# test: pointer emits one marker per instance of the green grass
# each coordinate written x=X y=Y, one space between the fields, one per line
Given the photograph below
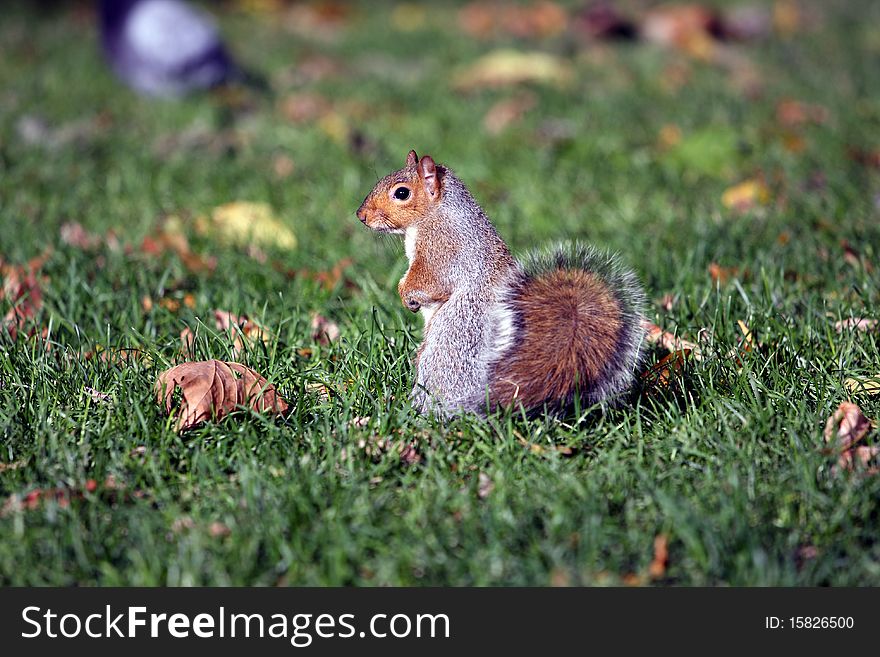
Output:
x=728 y=463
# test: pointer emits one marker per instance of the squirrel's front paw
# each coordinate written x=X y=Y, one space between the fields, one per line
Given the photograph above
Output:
x=415 y=299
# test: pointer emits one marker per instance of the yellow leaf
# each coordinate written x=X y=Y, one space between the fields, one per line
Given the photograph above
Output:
x=244 y=223
x=869 y=386
x=409 y=17
x=508 y=67
x=745 y=195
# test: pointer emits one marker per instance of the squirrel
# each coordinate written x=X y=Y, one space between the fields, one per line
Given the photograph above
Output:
x=562 y=326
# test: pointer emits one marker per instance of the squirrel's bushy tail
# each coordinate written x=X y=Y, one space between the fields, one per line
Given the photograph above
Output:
x=579 y=311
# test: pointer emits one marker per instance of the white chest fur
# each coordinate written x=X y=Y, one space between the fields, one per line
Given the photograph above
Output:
x=409 y=243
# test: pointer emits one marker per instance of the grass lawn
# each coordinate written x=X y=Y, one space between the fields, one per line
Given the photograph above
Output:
x=633 y=149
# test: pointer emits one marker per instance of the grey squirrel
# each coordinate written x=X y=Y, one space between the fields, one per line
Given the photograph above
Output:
x=562 y=325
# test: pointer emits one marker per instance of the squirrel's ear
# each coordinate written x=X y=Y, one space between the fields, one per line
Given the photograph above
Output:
x=412 y=159
x=428 y=176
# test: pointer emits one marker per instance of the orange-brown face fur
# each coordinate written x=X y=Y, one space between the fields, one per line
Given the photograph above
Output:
x=385 y=212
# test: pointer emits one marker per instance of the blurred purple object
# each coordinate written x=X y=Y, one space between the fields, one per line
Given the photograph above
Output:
x=163 y=47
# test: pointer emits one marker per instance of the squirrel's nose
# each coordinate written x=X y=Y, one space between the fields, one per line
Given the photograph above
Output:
x=362 y=214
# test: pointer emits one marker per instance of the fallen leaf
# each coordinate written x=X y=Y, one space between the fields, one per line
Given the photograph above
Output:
x=748 y=341
x=867 y=158
x=118 y=356
x=409 y=17
x=856 y=324
x=218 y=530
x=508 y=111
x=510 y=67
x=870 y=386
x=746 y=195
x=559 y=578
x=212 y=389
x=858 y=458
x=657 y=568
x=721 y=274
x=324 y=20
x=852 y=257
x=846 y=426
x=409 y=454
x=22 y=288
x=188 y=342
x=283 y=166
x=324 y=331
x=304 y=107
x=244 y=331
x=170 y=237
x=486 y=19
x=667 y=302
x=668 y=136
x=690 y=28
x=795 y=114
x=181 y=524
x=73 y=234
x=601 y=20
x=787 y=18
x=328 y=279
x=110 y=490
x=660 y=375
x=669 y=341
x=242 y=223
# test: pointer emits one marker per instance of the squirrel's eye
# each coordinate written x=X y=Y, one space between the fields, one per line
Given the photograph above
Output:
x=401 y=193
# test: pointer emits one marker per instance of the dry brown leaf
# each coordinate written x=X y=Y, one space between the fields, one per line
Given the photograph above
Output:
x=510 y=67
x=484 y=19
x=660 y=375
x=170 y=238
x=859 y=458
x=117 y=356
x=602 y=20
x=669 y=341
x=219 y=530
x=856 y=324
x=212 y=389
x=73 y=234
x=795 y=114
x=283 y=166
x=667 y=302
x=244 y=330
x=304 y=107
x=657 y=568
x=787 y=18
x=669 y=136
x=22 y=287
x=846 y=426
x=508 y=111
x=324 y=331
x=409 y=17
x=409 y=454
x=721 y=275
x=687 y=27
